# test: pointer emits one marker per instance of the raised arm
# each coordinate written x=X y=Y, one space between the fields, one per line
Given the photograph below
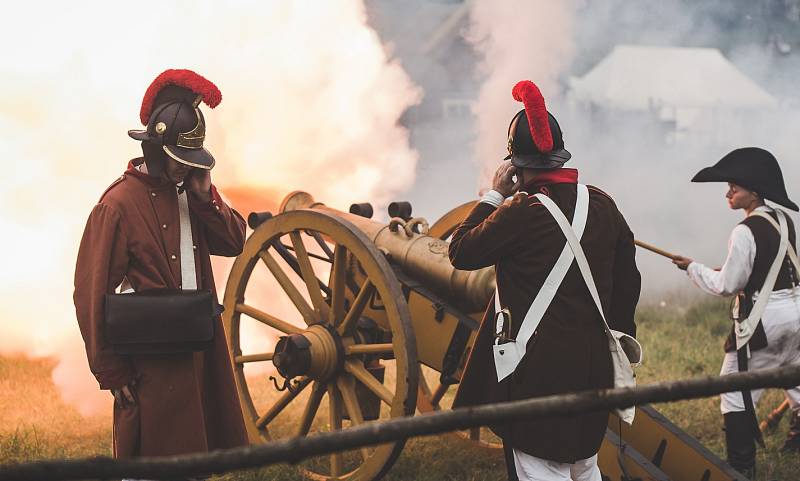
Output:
x=733 y=275
x=101 y=266
x=225 y=228
x=486 y=233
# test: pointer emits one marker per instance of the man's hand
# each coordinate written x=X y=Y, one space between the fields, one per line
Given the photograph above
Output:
x=125 y=396
x=503 y=181
x=199 y=182
x=682 y=262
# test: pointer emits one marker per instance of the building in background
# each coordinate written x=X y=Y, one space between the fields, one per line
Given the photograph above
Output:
x=687 y=91
x=428 y=38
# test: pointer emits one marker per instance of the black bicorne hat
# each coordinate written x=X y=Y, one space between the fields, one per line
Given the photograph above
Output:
x=752 y=168
x=535 y=140
x=174 y=121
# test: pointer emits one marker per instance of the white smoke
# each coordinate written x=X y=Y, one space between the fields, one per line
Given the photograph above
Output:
x=310 y=101
x=628 y=156
x=517 y=40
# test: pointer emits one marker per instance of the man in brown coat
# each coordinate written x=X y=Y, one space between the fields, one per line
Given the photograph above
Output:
x=145 y=233
x=568 y=351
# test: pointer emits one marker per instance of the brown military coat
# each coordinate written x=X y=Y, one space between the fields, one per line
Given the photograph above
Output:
x=186 y=402
x=569 y=351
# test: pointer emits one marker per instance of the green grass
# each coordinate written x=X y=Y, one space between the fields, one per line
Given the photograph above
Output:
x=682 y=339
x=423 y=459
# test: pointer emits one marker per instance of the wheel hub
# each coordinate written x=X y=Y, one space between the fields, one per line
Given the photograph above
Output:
x=316 y=352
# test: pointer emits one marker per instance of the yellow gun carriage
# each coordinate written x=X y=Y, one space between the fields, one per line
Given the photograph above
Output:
x=370 y=321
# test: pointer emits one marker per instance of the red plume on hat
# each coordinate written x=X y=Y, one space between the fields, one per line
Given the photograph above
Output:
x=529 y=94
x=184 y=78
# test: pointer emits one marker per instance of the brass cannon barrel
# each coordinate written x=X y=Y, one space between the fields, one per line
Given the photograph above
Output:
x=421 y=256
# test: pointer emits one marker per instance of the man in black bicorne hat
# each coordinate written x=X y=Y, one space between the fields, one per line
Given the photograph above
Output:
x=154 y=229
x=761 y=270
x=568 y=350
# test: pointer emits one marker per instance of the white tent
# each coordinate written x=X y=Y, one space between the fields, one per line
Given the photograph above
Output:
x=666 y=79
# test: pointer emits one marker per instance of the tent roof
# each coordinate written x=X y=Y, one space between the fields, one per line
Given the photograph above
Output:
x=639 y=77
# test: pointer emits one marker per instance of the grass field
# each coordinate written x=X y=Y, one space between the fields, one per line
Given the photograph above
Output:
x=682 y=339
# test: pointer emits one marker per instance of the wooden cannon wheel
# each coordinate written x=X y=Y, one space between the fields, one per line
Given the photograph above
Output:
x=311 y=257
x=430 y=399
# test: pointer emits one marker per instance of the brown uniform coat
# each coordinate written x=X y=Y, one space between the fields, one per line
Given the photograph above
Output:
x=186 y=402
x=569 y=351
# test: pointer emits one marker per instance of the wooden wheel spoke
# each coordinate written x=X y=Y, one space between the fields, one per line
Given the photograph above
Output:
x=424 y=395
x=337 y=283
x=317 y=392
x=355 y=349
x=264 y=356
x=322 y=245
x=312 y=283
x=335 y=413
x=288 y=287
x=357 y=308
x=347 y=387
x=267 y=319
x=281 y=403
x=310 y=254
x=326 y=271
x=358 y=370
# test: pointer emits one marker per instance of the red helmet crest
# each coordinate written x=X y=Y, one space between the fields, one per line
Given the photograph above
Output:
x=529 y=94
x=187 y=79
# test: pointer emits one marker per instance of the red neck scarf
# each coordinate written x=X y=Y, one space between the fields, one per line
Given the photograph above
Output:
x=552 y=176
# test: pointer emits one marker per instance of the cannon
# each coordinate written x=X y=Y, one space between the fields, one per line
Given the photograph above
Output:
x=367 y=321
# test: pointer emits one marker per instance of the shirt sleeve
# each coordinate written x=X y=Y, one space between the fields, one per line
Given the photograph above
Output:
x=225 y=228
x=100 y=268
x=493 y=198
x=734 y=274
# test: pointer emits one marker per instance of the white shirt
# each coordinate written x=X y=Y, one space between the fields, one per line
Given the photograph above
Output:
x=493 y=198
x=738 y=266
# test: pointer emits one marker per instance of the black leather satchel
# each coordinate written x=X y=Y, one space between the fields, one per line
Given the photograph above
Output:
x=160 y=321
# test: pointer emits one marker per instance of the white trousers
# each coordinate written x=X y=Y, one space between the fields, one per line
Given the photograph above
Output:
x=531 y=468
x=781 y=321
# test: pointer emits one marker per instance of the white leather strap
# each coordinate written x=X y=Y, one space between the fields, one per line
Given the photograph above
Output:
x=580 y=257
x=556 y=276
x=188 y=268
x=625 y=350
x=548 y=291
x=791 y=251
x=510 y=356
x=745 y=329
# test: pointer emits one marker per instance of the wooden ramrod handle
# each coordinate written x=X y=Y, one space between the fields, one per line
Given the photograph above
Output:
x=652 y=248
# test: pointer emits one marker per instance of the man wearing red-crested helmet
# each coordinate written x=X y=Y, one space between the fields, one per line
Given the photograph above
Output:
x=548 y=329
x=152 y=234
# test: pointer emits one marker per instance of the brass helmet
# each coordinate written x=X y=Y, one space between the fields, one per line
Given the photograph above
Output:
x=535 y=140
x=172 y=117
